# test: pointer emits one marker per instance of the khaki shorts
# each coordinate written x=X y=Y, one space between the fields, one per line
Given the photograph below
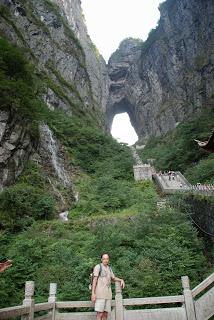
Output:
x=102 y=305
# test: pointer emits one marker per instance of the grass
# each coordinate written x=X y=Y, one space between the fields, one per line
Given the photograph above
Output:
x=65 y=83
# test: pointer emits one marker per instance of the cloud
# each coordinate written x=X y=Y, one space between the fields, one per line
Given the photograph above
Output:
x=110 y=21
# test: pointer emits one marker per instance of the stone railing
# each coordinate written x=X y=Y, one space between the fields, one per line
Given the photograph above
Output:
x=195 y=304
x=197 y=190
x=178 y=184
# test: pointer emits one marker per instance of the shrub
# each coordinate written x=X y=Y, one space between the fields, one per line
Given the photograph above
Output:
x=202 y=172
x=21 y=204
x=90 y=148
x=200 y=209
x=19 y=87
x=177 y=150
x=150 y=251
x=33 y=176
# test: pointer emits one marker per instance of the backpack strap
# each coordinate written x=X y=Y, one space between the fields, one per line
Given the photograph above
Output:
x=100 y=269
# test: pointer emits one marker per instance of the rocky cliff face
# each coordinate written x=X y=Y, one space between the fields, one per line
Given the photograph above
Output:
x=95 y=63
x=159 y=82
x=54 y=37
x=170 y=76
x=15 y=148
x=57 y=38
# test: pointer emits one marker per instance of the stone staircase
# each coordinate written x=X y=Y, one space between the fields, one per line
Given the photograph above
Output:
x=167 y=183
x=136 y=157
x=142 y=171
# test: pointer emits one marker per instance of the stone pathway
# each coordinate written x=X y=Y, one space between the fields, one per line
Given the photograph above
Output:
x=176 y=183
x=136 y=157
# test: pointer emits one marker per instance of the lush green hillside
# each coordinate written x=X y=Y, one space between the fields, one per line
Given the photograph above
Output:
x=177 y=150
x=150 y=248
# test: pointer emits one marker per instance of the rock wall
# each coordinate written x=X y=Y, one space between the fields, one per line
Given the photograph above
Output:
x=96 y=66
x=159 y=82
x=15 y=147
x=170 y=76
x=54 y=37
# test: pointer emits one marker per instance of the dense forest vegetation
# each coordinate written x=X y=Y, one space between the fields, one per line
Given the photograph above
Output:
x=150 y=247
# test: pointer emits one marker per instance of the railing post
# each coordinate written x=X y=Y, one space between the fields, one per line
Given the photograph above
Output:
x=189 y=302
x=52 y=298
x=118 y=301
x=29 y=300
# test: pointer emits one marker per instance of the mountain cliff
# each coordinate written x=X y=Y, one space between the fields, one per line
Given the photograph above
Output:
x=170 y=76
x=96 y=66
x=53 y=38
x=159 y=82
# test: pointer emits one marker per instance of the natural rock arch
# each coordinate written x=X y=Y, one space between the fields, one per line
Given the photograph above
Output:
x=124 y=88
x=121 y=107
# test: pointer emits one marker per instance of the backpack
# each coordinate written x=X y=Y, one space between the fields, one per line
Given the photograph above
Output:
x=91 y=277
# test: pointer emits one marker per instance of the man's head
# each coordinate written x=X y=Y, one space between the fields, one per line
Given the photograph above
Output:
x=105 y=258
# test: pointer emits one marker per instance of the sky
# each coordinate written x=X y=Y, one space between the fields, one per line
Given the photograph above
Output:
x=122 y=129
x=108 y=23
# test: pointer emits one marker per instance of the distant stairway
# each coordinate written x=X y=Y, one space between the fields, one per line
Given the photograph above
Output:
x=136 y=157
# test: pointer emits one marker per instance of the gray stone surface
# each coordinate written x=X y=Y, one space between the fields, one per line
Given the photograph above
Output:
x=190 y=307
x=143 y=172
x=135 y=155
x=172 y=76
x=54 y=46
x=56 y=39
x=15 y=147
x=170 y=183
x=63 y=216
x=159 y=84
x=96 y=66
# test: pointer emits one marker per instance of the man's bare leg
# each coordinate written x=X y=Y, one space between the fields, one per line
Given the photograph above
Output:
x=99 y=315
x=105 y=315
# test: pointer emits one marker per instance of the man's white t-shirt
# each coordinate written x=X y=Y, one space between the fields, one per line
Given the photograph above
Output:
x=103 y=287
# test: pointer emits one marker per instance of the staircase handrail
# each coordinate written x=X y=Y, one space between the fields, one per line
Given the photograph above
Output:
x=203 y=285
x=153 y=300
x=12 y=312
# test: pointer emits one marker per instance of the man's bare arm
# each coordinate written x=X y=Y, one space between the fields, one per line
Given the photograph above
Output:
x=5 y=265
x=122 y=283
x=94 y=284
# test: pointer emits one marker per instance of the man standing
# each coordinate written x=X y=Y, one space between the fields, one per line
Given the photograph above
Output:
x=101 y=287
